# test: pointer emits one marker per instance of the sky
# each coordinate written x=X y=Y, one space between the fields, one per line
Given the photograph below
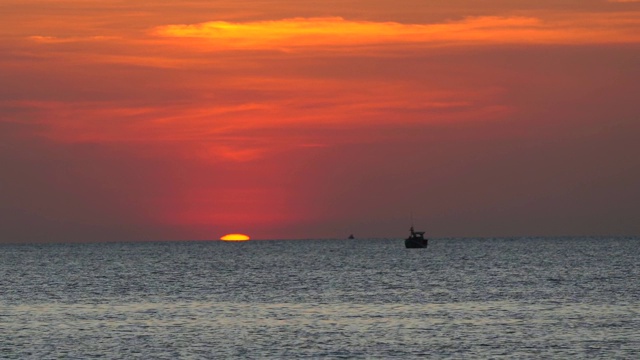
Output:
x=187 y=120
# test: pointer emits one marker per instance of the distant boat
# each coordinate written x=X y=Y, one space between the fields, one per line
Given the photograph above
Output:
x=351 y=237
x=416 y=240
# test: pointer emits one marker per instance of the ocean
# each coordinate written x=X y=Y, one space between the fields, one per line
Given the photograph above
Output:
x=457 y=299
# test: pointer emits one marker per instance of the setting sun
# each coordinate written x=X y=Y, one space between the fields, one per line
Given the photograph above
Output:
x=235 y=237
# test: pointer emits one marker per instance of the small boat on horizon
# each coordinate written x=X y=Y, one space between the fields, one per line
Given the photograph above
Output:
x=351 y=237
x=416 y=240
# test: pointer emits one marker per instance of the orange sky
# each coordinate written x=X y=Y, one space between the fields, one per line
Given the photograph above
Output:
x=147 y=120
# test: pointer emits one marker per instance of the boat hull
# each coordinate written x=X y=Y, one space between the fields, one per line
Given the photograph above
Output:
x=411 y=243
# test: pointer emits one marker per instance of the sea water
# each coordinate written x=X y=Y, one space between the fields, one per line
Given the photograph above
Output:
x=459 y=298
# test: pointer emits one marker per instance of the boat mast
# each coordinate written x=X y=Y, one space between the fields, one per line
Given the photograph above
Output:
x=411 y=215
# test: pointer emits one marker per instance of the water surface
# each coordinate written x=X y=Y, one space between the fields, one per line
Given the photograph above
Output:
x=460 y=298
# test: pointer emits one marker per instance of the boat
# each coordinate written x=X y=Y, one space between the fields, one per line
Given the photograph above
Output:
x=351 y=237
x=416 y=240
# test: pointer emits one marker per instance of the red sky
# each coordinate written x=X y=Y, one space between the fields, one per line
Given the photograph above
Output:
x=171 y=120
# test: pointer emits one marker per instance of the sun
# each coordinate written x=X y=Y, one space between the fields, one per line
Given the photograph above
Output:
x=235 y=237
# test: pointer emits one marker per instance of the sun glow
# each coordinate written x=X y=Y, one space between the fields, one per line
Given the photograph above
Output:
x=235 y=237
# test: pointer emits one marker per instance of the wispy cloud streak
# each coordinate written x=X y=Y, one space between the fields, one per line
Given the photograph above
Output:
x=337 y=32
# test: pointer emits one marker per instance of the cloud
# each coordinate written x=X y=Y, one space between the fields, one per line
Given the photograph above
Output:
x=69 y=39
x=337 y=32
